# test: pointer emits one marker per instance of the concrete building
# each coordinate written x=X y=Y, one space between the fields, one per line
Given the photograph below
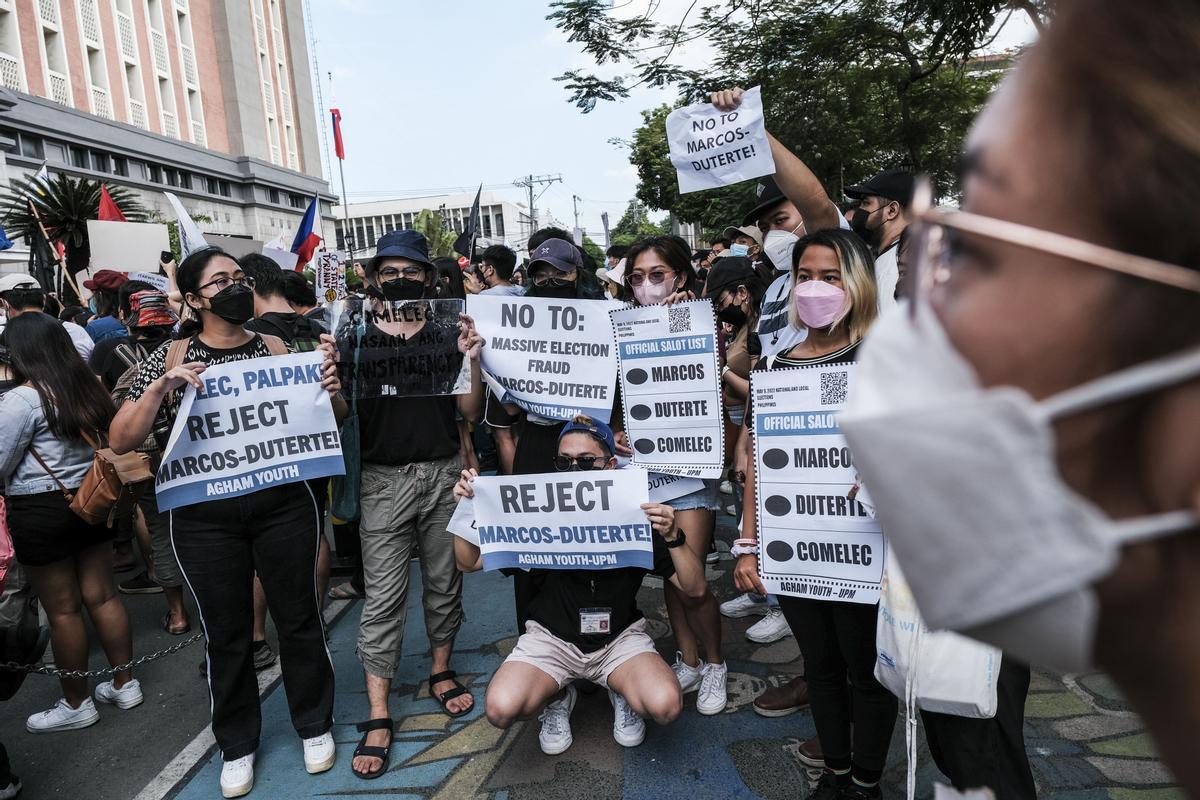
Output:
x=500 y=221
x=209 y=99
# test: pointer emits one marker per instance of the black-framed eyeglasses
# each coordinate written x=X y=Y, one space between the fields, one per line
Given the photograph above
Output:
x=552 y=278
x=586 y=463
x=225 y=282
x=411 y=273
x=657 y=277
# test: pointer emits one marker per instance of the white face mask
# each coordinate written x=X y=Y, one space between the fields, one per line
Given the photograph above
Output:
x=778 y=246
x=994 y=543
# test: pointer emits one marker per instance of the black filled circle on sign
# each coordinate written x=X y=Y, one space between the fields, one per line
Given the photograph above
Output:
x=640 y=412
x=636 y=376
x=778 y=505
x=644 y=446
x=779 y=551
x=775 y=458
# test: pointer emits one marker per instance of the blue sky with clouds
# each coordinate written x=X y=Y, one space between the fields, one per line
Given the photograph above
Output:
x=444 y=94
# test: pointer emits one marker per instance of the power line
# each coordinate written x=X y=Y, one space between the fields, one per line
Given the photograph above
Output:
x=530 y=181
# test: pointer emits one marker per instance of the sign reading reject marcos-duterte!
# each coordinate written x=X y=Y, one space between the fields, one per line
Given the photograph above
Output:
x=577 y=520
x=251 y=425
x=815 y=540
x=670 y=386
x=551 y=357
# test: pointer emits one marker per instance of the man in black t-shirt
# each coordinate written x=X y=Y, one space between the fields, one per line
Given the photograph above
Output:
x=410 y=462
x=586 y=623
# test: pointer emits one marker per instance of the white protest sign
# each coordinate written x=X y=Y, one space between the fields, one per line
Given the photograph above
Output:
x=236 y=246
x=712 y=148
x=286 y=259
x=563 y=520
x=815 y=539
x=330 y=275
x=664 y=488
x=670 y=386
x=225 y=444
x=159 y=282
x=126 y=246
x=552 y=357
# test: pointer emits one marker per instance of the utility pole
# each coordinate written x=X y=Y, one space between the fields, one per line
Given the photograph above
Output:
x=530 y=181
x=575 y=201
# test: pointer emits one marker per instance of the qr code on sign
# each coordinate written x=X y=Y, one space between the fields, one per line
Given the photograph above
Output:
x=678 y=320
x=833 y=388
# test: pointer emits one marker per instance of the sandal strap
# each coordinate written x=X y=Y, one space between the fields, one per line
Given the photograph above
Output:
x=371 y=751
x=448 y=675
x=458 y=691
x=375 y=725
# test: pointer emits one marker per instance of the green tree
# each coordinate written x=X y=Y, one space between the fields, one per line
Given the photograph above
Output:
x=635 y=223
x=594 y=250
x=430 y=225
x=64 y=205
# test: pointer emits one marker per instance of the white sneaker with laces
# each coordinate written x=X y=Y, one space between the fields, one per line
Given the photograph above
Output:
x=770 y=628
x=628 y=728
x=746 y=604
x=688 y=677
x=126 y=697
x=712 y=697
x=319 y=753
x=237 y=776
x=555 y=736
x=61 y=717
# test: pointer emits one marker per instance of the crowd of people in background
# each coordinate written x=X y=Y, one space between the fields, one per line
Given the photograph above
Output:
x=801 y=279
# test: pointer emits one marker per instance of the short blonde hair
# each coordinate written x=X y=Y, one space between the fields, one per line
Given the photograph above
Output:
x=858 y=280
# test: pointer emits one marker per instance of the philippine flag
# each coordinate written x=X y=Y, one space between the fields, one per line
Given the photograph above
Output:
x=306 y=241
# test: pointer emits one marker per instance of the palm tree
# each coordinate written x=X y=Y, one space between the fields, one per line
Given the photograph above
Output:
x=65 y=205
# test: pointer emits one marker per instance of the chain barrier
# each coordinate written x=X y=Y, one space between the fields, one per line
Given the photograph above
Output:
x=39 y=669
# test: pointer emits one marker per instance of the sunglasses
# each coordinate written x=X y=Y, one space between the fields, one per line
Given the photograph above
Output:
x=585 y=463
x=657 y=277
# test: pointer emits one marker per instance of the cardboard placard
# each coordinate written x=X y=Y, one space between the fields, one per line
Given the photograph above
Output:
x=126 y=246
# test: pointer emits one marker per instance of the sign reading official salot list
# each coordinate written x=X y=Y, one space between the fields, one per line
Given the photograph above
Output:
x=252 y=424
x=815 y=539
x=562 y=520
x=554 y=358
x=670 y=386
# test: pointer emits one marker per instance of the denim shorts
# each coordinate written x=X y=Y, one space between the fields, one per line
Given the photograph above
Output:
x=707 y=498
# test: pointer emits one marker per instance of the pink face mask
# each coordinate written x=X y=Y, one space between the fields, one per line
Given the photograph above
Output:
x=818 y=303
x=650 y=294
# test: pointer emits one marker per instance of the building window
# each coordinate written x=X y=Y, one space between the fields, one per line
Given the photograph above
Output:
x=79 y=158
x=486 y=219
x=31 y=146
x=297 y=201
x=225 y=190
x=341 y=240
x=172 y=177
x=155 y=173
x=185 y=180
x=211 y=185
x=500 y=224
x=120 y=166
x=100 y=162
x=371 y=231
x=273 y=196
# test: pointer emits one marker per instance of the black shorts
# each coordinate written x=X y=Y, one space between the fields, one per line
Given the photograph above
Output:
x=45 y=529
x=537 y=448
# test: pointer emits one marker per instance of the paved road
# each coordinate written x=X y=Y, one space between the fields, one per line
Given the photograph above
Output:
x=1083 y=741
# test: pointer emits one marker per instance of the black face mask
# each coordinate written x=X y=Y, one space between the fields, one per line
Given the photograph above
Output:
x=234 y=304
x=402 y=289
x=858 y=224
x=733 y=314
x=555 y=287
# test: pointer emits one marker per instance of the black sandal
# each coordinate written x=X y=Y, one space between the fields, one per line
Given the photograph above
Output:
x=370 y=751
x=166 y=626
x=458 y=691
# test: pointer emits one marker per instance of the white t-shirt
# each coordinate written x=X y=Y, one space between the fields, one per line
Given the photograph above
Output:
x=80 y=338
x=887 y=275
x=503 y=290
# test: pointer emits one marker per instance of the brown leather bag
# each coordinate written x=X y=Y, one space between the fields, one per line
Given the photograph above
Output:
x=109 y=488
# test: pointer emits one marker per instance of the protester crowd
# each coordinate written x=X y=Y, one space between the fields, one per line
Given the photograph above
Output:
x=944 y=313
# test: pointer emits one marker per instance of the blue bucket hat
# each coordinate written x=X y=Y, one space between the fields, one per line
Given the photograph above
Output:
x=597 y=430
x=401 y=244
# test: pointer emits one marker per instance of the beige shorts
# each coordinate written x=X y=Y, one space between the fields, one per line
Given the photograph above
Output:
x=564 y=662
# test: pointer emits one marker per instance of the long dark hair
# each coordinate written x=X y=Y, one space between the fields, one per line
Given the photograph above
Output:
x=450 y=279
x=187 y=280
x=43 y=356
x=675 y=254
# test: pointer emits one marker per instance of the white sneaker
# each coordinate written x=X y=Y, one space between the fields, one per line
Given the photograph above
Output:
x=319 y=753
x=628 y=728
x=63 y=718
x=746 y=604
x=731 y=510
x=11 y=790
x=237 y=776
x=127 y=696
x=726 y=487
x=770 y=628
x=712 y=697
x=555 y=736
x=688 y=677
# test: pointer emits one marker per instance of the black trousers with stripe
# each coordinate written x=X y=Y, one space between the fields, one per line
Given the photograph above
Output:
x=220 y=545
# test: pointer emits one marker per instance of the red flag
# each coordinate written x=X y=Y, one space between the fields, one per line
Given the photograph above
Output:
x=109 y=212
x=338 y=147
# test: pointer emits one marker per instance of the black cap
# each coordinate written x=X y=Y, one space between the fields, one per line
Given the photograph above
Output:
x=558 y=253
x=728 y=271
x=769 y=196
x=891 y=184
x=400 y=244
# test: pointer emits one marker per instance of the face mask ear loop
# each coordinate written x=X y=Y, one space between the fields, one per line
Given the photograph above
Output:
x=1142 y=379
x=1140 y=529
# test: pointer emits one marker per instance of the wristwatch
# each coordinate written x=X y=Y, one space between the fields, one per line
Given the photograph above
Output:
x=677 y=541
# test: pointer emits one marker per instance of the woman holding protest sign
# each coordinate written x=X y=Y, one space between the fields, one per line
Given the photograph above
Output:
x=46 y=449
x=221 y=543
x=659 y=270
x=835 y=298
